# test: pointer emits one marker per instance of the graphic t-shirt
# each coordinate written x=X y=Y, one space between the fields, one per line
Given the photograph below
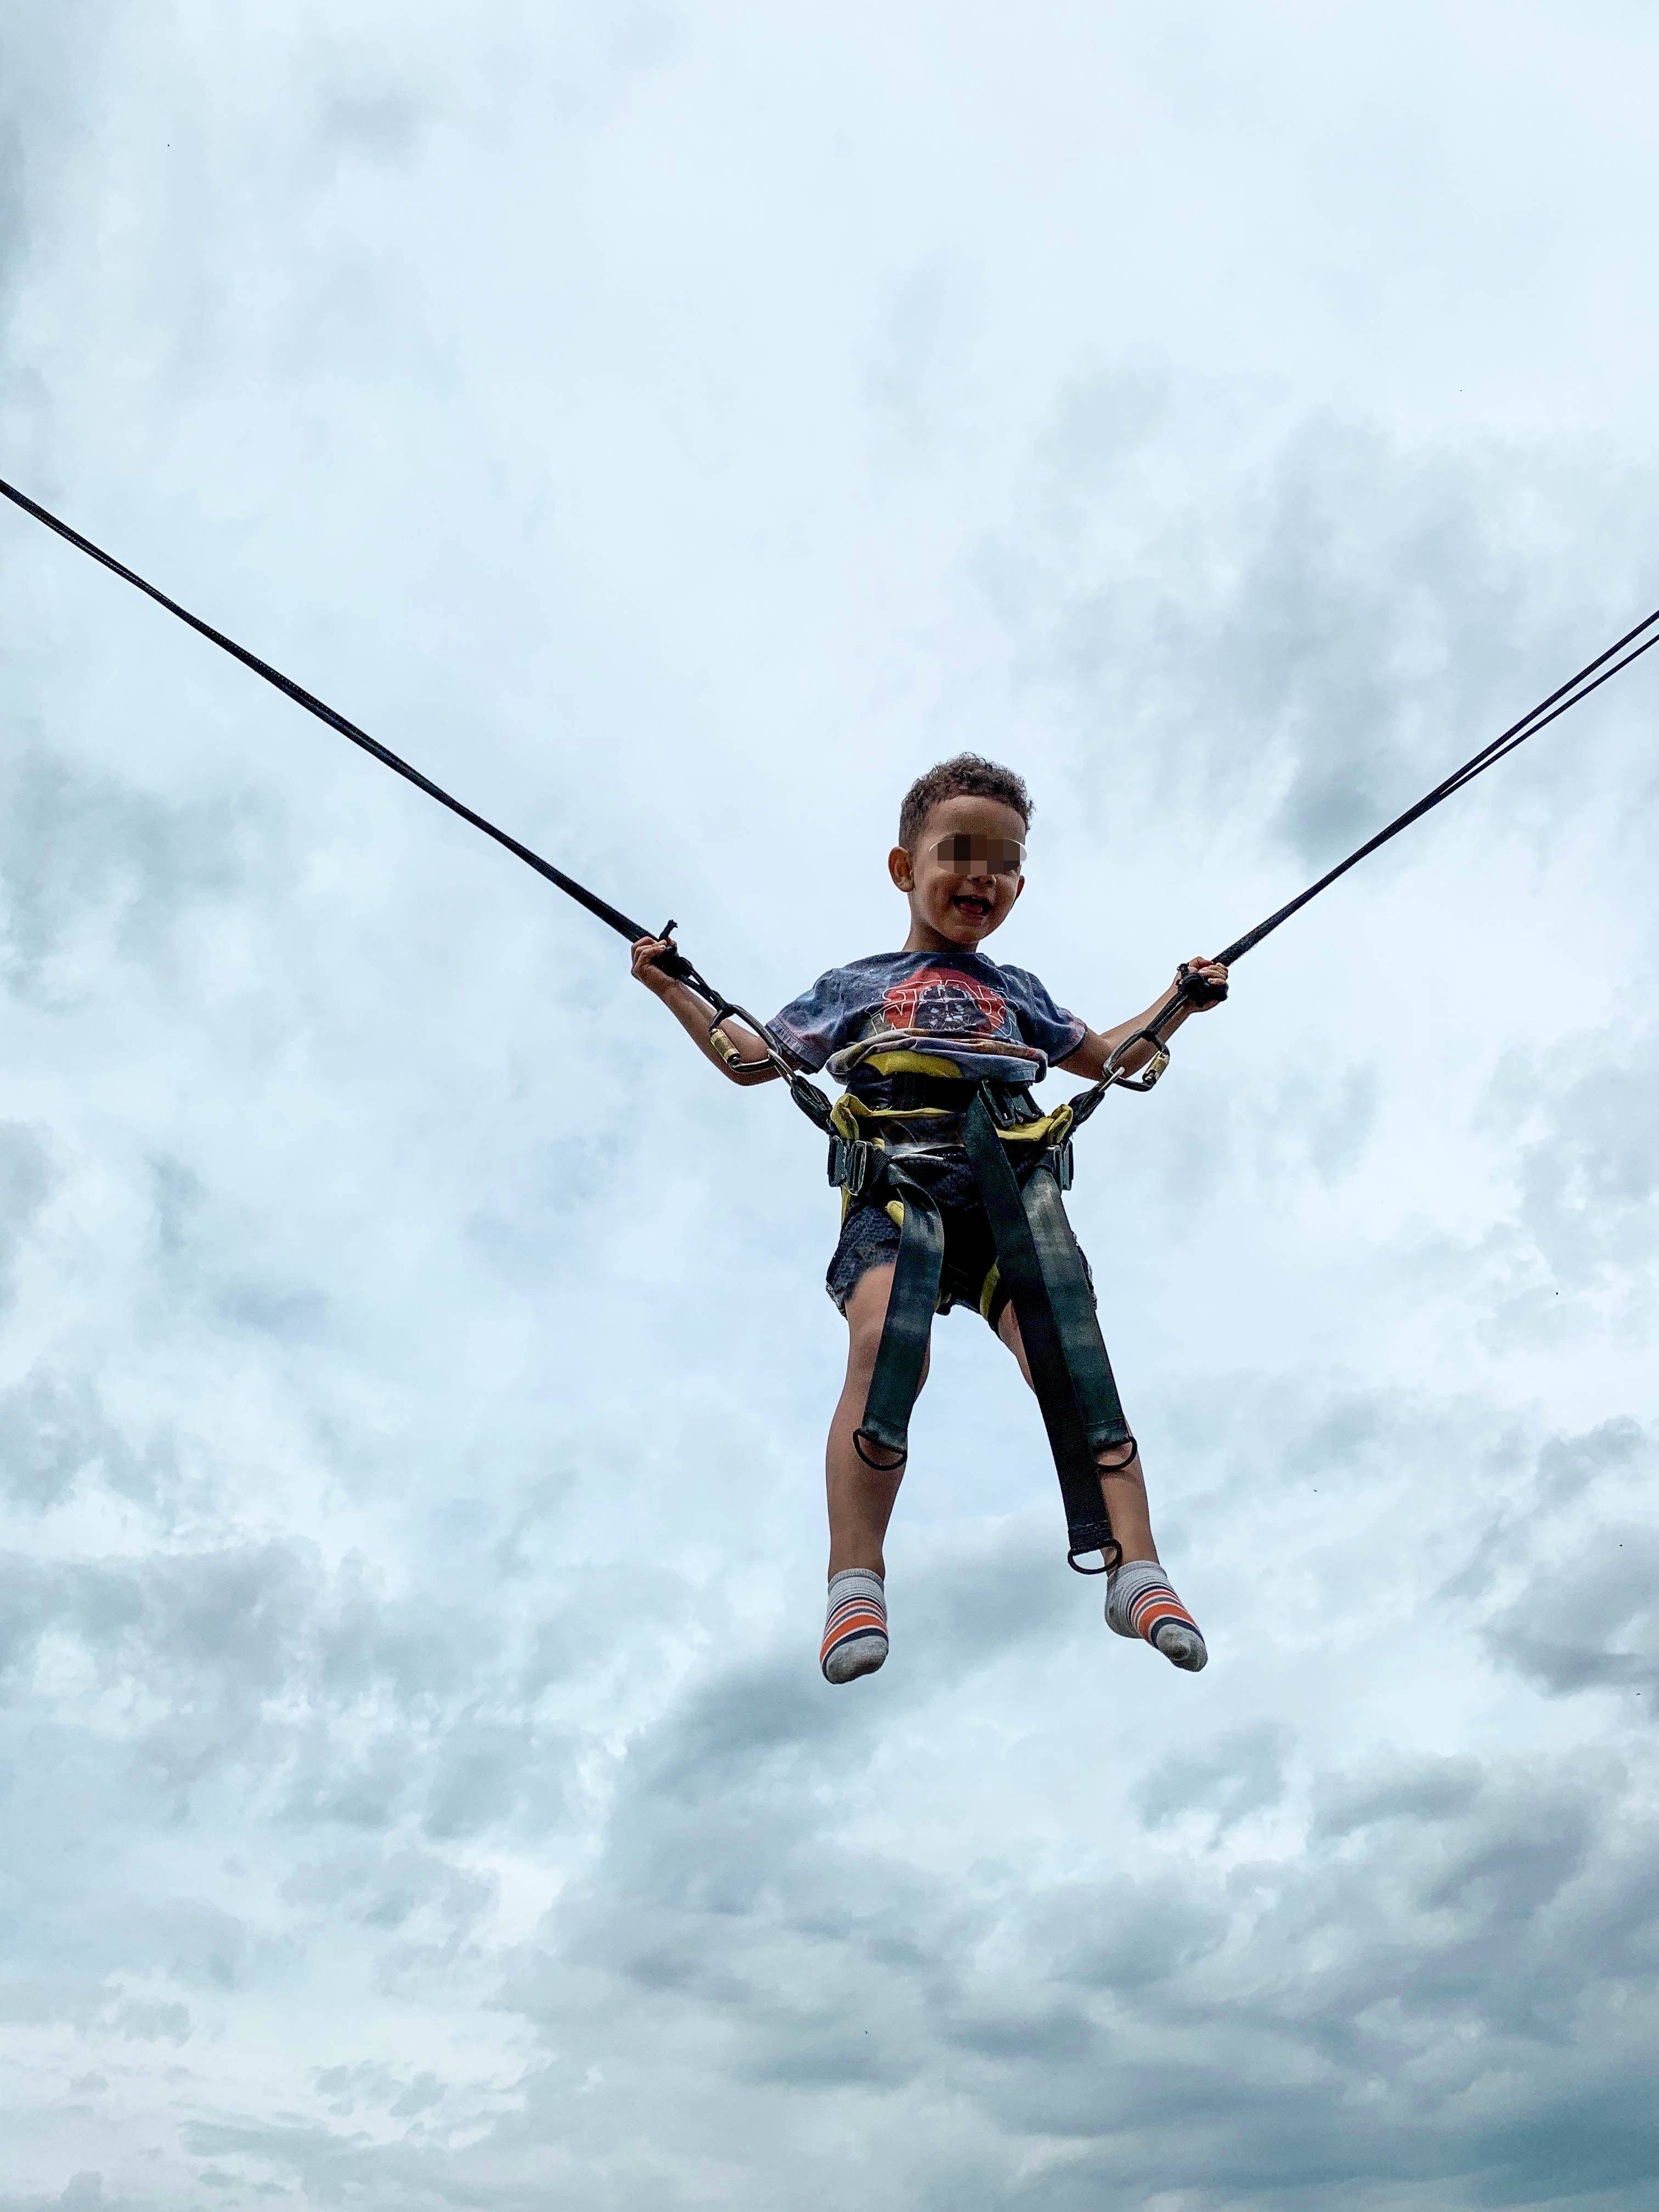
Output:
x=958 y=1011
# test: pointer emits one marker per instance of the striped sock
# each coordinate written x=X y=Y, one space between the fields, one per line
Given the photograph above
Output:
x=1140 y=1602
x=855 y=1632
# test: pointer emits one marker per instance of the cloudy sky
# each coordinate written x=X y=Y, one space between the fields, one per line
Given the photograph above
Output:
x=674 y=427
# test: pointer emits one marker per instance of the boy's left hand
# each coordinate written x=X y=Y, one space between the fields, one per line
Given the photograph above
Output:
x=1210 y=972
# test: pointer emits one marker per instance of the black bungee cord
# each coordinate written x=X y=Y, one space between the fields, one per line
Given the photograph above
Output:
x=1191 y=991
x=674 y=961
x=1543 y=715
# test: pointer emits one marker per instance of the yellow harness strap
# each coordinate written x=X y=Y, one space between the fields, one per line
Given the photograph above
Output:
x=857 y=1122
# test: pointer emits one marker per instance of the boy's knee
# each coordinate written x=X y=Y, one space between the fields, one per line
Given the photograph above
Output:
x=865 y=1316
x=863 y=1343
x=867 y=1322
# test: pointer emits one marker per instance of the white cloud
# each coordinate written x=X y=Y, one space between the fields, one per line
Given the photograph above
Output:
x=672 y=429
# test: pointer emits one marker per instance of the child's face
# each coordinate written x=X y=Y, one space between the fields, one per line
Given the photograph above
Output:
x=967 y=869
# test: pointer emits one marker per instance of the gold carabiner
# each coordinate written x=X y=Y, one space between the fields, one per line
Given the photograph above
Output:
x=1149 y=1074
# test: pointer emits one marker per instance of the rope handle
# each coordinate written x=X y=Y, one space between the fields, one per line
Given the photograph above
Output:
x=1195 y=991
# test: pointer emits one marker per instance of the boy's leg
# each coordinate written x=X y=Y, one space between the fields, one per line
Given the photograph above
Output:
x=1138 y=1599
x=860 y=1496
x=860 y=1500
x=1121 y=1484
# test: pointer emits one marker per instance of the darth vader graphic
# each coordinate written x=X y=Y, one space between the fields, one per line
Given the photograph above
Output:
x=942 y=1003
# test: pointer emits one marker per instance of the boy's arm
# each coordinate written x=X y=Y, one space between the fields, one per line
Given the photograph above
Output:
x=1097 y=1046
x=694 y=1015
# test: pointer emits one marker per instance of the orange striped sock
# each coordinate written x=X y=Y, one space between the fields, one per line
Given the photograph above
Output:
x=855 y=1631
x=1140 y=1602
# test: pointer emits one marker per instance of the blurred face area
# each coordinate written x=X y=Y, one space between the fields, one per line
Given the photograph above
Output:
x=966 y=872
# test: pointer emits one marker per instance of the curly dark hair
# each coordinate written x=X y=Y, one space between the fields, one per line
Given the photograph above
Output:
x=967 y=776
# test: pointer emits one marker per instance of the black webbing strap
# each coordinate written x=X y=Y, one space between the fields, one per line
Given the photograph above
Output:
x=912 y=1300
x=1043 y=1269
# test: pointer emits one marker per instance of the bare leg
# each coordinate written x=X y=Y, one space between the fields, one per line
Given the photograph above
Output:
x=861 y=1498
x=1121 y=1484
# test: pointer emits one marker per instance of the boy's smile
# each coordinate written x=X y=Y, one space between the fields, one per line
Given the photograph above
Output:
x=964 y=875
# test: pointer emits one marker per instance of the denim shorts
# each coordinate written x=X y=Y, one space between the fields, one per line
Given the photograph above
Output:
x=870 y=1238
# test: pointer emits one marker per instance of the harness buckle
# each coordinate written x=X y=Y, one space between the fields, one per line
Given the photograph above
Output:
x=1058 y=1158
x=853 y=1164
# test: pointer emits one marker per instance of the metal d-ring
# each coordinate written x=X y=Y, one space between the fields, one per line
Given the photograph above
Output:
x=1111 y=1555
x=876 y=1466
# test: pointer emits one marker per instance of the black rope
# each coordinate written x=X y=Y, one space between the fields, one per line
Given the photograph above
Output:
x=1543 y=715
x=675 y=962
x=1546 y=711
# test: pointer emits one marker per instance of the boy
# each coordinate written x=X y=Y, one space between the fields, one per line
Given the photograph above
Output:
x=940 y=1003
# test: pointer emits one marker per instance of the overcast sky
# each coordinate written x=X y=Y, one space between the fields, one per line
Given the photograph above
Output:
x=674 y=427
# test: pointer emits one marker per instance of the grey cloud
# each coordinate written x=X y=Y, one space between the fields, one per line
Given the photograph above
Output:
x=67 y=1998
x=379 y=2088
x=565 y=1177
x=1589 y=1176
x=1518 y=1865
x=415 y=1648
x=928 y=329
x=975 y=1612
x=1124 y=1935
x=299 y=1316
x=26 y=1183
x=26 y=1607
x=1569 y=1583
x=54 y=1430
x=1362 y=2000
x=1342 y=1430
x=1358 y=1923
x=254 y=1657
x=83 y=856
x=86 y=2002
x=382 y=126
x=202 y=1247
x=1016 y=2030
x=1320 y=639
x=1241 y=1775
x=1335 y=2040
x=200 y=1946
x=366 y=1786
x=704 y=1898
x=39 y=119
x=1416 y=1789
x=1592 y=1621
x=1567 y=1466
x=142 y=2022
x=491 y=1771
x=761 y=1718
x=397 y=2176
x=387 y=1889
x=812 y=2042
x=1316 y=1122
x=711 y=1805
x=1560 y=1472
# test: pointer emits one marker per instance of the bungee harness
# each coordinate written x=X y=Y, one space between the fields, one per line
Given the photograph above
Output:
x=1022 y=1161
x=1021 y=1158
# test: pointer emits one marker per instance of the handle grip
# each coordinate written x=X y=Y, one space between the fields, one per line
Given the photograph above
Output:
x=674 y=963
x=1195 y=991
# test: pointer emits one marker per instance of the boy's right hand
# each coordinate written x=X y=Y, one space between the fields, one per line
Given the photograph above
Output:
x=644 y=955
